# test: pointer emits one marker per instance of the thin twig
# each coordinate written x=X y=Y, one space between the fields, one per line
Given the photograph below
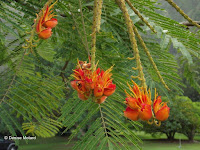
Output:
x=97 y=9
x=100 y=3
x=103 y=121
x=190 y=24
x=140 y=16
x=12 y=81
x=83 y=23
x=93 y=35
x=149 y=56
x=62 y=74
x=182 y=13
x=76 y=25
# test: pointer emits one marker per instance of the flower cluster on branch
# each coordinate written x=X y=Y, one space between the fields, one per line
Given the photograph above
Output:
x=46 y=23
x=139 y=105
x=96 y=84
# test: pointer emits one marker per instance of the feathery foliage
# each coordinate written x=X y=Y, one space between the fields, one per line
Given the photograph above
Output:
x=35 y=95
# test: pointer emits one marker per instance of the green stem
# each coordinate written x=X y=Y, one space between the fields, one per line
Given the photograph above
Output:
x=129 y=23
x=83 y=23
x=103 y=121
x=93 y=50
x=140 y=16
x=182 y=13
x=100 y=3
x=79 y=33
x=96 y=27
x=149 y=56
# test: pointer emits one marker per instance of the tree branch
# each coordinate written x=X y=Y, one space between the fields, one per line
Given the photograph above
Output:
x=189 y=24
x=62 y=74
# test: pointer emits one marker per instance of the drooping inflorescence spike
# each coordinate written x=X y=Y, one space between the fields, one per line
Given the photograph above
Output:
x=171 y=2
x=149 y=56
x=129 y=22
x=140 y=16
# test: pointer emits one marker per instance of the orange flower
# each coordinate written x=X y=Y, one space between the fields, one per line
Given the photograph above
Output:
x=139 y=105
x=78 y=85
x=138 y=101
x=104 y=83
x=46 y=23
x=50 y=23
x=161 y=109
x=109 y=90
x=132 y=114
x=132 y=103
x=98 y=90
x=145 y=112
x=82 y=96
x=45 y=34
x=47 y=18
x=98 y=83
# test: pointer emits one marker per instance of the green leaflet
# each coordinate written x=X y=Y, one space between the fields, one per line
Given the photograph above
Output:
x=46 y=51
x=178 y=45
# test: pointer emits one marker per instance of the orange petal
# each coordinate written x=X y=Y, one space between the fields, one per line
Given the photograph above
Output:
x=98 y=71
x=82 y=96
x=88 y=83
x=101 y=74
x=45 y=14
x=156 y=104
x=145 y=112
x=78 y=85
x=163 y=113
x=74 y=84
x=50 y=23
x=136 y=89
x=145 y=99
x=101 y=99
x=38 y=27
x=131 y=114
x=98 y=91
x=132 y=102
x=109 y=90
x=81 y=73
x=45 y=34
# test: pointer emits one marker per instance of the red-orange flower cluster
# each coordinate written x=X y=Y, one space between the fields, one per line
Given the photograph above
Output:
x=161 y=110
x=139 y=105
x=46 y=23
x=97 y=84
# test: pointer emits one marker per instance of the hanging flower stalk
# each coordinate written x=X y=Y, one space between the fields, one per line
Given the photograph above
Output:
x=139 y=106
x=97 y=10
x=140 y=16
x=43 y=25
x=96 y=84
x=149 y=56
x=142 y=42
x=134 y=46
x=139 y=103
x=89 y=81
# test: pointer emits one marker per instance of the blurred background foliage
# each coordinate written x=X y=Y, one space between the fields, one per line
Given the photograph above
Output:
x=35 y=94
